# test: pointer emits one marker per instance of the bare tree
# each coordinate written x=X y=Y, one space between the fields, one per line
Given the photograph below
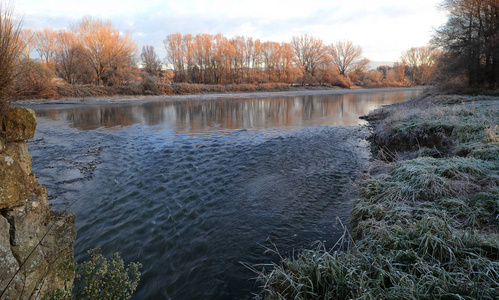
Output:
x=358 y=69
x=345 y=55
x=288 y=71
x=421 y=62
x=224 y=52
x=470 y=41
x=189 y=48
x=11 y=47
x=309 y=53
x=238 y=61
x=203 y=56
x=271 y=59
x=33 y=79
x=45 y=44
x=72 y=60
x=28 y=38
x=152 y=64
x=106 y=45
x=175 y=55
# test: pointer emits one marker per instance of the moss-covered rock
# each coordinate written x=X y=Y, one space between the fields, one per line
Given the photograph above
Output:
x=19 y=124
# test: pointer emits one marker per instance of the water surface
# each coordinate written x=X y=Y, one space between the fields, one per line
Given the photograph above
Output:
x=193 y=188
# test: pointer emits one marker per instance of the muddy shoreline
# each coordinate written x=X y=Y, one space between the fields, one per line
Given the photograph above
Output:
x=141 y=99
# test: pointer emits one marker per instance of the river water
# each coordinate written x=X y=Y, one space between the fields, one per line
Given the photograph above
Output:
x=193 y=189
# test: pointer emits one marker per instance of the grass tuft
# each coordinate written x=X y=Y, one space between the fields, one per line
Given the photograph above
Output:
x=422 y=228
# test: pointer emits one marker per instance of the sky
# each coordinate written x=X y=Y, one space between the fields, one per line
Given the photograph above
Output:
x=383 y=28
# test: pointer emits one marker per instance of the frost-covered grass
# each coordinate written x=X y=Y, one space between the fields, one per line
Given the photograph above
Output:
x=422 y=228
x=447 y=128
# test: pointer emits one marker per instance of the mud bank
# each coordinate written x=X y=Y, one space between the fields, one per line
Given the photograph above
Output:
x=142 y=99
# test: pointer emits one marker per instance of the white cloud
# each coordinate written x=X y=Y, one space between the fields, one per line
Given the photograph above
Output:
x=384 y=28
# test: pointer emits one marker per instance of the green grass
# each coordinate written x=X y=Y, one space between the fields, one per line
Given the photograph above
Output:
x=423 y=228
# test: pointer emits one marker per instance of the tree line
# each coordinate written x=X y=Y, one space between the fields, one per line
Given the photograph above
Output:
x=470 y=42
x=90 y=51
x=93 y=52
x=216 y=59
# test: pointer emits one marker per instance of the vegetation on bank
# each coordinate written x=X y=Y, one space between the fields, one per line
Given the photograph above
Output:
x=99 y=278
x=152 y=88
x=426 y=223
x=92 y=52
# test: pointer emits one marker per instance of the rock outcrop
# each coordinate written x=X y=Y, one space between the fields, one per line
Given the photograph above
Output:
x=34 y=242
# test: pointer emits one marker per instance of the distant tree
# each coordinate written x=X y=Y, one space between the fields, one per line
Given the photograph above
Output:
x=384 y=70
x=45 y=45
x=175 y=55
x=203 y=56
x=309 y=54
x=151 y=61
x=256 y=58
x=288 y=72
x=189 y=49
x=421 y=63
x=109 y=50
x=470 y=41
x=72 y=60
x=376 y=76
x=396 y=75
x=253 y=59
x=28 y=38
x=358 y=70
x=11 y=46
x=271 y=59
x=121 y=72
x=238 y=61
x=345 y=55
x=410 y=59
x=224 y=53
x=33 y=79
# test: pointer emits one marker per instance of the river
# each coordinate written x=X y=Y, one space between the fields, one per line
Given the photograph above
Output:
x=193 y=189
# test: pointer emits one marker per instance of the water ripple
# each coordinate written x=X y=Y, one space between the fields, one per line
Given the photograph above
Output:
x=190 y=206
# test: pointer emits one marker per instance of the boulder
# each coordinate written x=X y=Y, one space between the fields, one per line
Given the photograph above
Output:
x=19 y=152
x=34 y=242
x=19 y=124
x=13 y=182
x=8 y=262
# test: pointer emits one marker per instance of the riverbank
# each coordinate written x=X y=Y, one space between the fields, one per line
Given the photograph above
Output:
x=173 y=98
x=426 y=223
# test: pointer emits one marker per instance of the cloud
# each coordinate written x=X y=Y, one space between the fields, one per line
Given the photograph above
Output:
x=383 y=28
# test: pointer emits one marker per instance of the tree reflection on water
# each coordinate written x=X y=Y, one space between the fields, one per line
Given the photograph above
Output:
x=236 y=113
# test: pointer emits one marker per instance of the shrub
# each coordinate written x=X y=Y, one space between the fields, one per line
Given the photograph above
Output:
x=85 y=90
x=10 y=49
x=151 y=85
x=34 y=80
x=101 y=278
